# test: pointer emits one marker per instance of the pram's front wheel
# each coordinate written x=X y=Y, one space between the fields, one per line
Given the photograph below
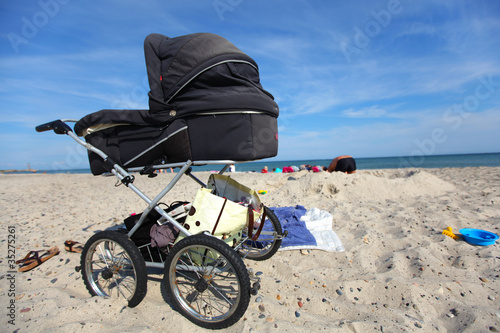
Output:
x=207 y=281
x=268 y=242
x=112 y=266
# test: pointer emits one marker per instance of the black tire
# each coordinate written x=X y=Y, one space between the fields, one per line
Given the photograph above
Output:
x=269 y=240
x=207 y=281
x=112 y=266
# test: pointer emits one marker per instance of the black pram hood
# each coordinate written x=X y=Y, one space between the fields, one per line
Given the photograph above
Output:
x=200 y=73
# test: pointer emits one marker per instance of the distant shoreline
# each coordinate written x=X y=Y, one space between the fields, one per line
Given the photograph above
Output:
x=363 y=163
x=22 y=171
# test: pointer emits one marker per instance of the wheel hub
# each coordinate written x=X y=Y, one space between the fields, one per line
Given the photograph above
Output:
x=201 y=285
x=107 y=274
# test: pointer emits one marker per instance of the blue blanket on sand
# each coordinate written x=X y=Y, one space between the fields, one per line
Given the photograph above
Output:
x=298 y=234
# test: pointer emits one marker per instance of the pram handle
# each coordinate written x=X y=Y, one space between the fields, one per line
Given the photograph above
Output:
x=59 y=127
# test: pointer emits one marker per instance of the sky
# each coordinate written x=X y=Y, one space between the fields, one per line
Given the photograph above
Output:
x=366 y=78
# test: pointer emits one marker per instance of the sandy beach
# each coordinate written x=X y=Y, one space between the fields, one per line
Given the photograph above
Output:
x=398 y=273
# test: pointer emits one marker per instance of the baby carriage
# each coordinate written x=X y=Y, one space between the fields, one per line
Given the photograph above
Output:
x=206 y=106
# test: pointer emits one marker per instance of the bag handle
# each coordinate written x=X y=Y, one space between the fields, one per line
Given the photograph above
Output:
x=251 y=222
x=262 y=219
x=218 y=218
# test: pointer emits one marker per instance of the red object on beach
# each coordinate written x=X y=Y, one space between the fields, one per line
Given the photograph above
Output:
x=287 y=169
x=315 y=169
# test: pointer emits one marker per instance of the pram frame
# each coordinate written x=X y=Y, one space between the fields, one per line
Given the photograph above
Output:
x=125 y=177
x=60 y=127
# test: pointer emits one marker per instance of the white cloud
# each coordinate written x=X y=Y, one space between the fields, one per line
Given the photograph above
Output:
x=370 y=112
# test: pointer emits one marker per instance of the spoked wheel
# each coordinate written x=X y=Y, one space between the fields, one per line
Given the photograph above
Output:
x=207 y=281
x=112 y=266
x=269 y=240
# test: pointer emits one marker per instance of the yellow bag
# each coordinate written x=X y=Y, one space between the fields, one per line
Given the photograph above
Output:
x=218 y=214
x=224 y=186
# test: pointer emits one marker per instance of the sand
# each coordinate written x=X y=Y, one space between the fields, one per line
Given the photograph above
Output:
x=398 y=273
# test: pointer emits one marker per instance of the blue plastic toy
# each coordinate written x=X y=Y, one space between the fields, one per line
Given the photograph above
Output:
x=478 y=237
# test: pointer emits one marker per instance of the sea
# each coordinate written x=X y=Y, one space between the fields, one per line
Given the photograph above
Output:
x=366 y=163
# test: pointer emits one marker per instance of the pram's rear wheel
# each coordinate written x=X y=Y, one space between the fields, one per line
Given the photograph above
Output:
x=112 y=266
x=207 y=281
x=269 y=240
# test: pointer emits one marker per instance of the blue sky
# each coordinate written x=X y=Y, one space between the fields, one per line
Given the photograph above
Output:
x=366 y=78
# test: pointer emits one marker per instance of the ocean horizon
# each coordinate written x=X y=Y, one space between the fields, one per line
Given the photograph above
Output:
x=398 y=162
x=362 y=163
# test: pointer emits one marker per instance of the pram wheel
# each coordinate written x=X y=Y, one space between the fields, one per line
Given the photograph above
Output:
x=269 y=240
x=207 y=281
x=112 y=266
